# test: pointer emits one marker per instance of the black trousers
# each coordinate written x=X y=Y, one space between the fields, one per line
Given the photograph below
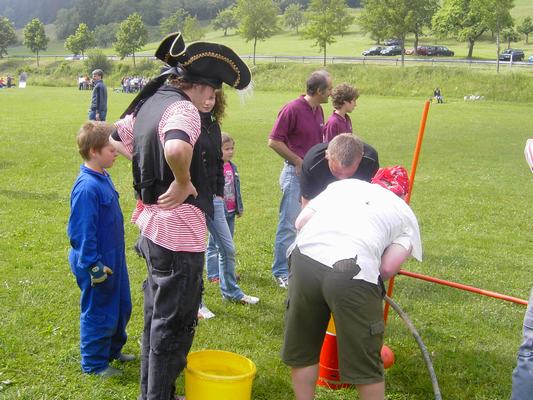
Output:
x=172 y=294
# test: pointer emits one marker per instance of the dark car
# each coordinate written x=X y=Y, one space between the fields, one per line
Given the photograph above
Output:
x=437 y=51
x=393 y=42
x=515 y=54
x=373 y=51
x=391 y=51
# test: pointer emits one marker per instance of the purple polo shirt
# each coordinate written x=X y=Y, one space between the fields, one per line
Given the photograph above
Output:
x=299 y=126
x=336 y=125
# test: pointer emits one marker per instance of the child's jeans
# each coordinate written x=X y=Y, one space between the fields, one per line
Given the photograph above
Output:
x=220 y=254
x=523 y=373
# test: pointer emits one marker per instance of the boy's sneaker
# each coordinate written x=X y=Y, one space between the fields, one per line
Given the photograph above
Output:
x=125 y=357
x=249 y=299
x=282 y=281
x=205 y=313
x=109 y=372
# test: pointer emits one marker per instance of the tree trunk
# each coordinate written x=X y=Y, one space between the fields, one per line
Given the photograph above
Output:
x=225 y=31
x=325 y=54
x=255 y=44
x=498 y=52
x=133 y=59
x=37 y=57
x=403 y=50
x=416 y=43
x=527 y=38
x=470 y=47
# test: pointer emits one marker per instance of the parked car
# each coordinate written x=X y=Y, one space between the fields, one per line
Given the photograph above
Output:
x=391 y=51
x=421 y=51
x=393 y=42
x=530 y=59
x=373 y=51
x=437 y=51
x=517 y=55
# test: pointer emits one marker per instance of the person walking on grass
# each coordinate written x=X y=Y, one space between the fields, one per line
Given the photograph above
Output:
x=98 y=107
x=97 y=256
x=352 y=237
x=298 y=127
x=344 y=98
x=523 y=373
x=158 y=132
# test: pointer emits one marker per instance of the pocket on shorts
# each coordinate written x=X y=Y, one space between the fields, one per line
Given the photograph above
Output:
x=377 y=328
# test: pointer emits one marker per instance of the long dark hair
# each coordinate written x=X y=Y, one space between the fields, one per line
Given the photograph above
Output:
x=220 y=105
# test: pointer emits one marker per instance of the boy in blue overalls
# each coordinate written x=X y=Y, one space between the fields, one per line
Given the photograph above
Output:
x=97 y=256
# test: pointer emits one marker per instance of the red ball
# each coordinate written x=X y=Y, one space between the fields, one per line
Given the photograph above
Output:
x=387 y=356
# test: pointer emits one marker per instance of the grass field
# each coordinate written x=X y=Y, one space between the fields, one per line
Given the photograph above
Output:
x=472 y=196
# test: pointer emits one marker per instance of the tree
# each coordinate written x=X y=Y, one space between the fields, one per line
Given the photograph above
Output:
x=87 y=10
x=192 y=31
x=397 y=18
x=131 y=36
x=257 y=20
x=510 y=35
x=34 y=37
x=293 y=16
x=225 y=20
x=81 y=40
x=105 y=34
x=174 y=22
x=66 y=22
x=325 y=20
x=497 y=15
x=525 y=28
x=371 y=21
x=467 y=20
x=8 y=36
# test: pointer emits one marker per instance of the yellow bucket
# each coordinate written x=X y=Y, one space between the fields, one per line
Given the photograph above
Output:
x=218 y=375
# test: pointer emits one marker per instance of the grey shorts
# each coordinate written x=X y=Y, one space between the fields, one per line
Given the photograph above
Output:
x=315 y=291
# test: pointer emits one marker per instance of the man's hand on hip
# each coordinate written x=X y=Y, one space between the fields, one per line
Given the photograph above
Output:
x=176 y=194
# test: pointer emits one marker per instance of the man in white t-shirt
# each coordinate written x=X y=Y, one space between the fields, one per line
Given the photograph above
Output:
x=351 y=237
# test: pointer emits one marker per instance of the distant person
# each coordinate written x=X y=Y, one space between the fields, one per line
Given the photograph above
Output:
x=298 y=127
x=22 y=80
x=97 y=256
x=346 y=156
x=438 y=96
x=81 y=82
x=344 y=98
x=523 y=373
x=98 y=108
x=9 y=81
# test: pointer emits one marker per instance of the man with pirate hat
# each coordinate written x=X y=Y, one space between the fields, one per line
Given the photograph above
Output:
x=158 y=132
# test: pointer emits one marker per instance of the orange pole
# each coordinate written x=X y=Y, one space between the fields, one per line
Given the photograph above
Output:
x=464 y=287
x=418 y=147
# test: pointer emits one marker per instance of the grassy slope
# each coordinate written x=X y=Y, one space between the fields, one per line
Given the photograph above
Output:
x=472 y=197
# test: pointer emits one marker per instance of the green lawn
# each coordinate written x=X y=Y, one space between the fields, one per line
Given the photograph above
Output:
x=472 y=196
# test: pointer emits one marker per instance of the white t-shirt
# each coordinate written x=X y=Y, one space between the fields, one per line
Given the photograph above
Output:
x=355 y=218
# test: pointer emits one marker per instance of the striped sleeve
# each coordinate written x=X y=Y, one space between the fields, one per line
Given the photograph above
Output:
x=125 y=131
x=181 y=115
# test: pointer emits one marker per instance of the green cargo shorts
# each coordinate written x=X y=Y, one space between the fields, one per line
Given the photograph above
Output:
x=315 y=291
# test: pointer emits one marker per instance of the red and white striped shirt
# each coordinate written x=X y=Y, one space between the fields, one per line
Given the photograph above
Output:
x=182 y=228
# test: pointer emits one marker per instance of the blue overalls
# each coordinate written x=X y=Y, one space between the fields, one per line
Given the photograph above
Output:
x=96 y=232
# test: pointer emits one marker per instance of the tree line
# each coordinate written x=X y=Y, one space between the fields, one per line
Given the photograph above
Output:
x=320 y=20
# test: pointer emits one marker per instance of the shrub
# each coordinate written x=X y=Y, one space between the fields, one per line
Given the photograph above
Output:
x=98 y=60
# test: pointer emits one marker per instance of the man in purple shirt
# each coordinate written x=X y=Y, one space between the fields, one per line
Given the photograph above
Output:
x=299 y=127
x=344 y=99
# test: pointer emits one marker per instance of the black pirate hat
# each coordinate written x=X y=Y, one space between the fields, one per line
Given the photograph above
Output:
x=201 y=62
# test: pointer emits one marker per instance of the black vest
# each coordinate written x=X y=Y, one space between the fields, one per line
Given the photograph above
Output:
x=151 y=174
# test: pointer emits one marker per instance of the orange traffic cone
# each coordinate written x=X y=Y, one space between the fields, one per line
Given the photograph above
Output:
x=328 y=373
